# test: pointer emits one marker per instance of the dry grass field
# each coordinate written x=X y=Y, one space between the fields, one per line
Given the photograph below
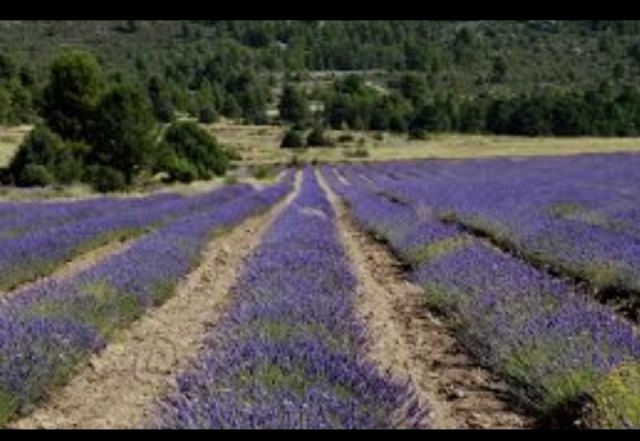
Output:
x=10 y=138
x=261 y=144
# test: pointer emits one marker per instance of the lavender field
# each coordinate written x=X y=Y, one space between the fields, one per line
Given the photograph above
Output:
x=493 y=293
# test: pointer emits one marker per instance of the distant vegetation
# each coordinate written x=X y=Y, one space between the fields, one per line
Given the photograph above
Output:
x=107 y=134
x=528 y=77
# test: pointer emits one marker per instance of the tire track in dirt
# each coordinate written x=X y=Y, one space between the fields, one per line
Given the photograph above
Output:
x=120 y=385
x=411 y=344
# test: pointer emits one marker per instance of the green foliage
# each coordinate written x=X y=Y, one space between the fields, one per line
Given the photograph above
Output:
x=35 y=175
x=44 y=158
x=615 y=401
x=292 y=139
x=123 y=133
x=189 y=152
x=317 y=138
x=72 y=93
x=161 y=102
x=106 y=179
x=293 y=106
x=264 y=171
x=358 y=152
x=346 y=137
x=207 y=115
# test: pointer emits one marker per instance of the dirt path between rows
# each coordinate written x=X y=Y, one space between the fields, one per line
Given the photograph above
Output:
x=411 y=344
x=121 y=384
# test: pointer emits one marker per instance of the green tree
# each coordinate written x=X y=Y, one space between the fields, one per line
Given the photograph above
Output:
x=189 y=152
x=293 y=105
x=317 y=138
x=43 y=158
x=70 y=97
x=292 y=139
x=8 y=66
x=124 y=132
x=159 y=95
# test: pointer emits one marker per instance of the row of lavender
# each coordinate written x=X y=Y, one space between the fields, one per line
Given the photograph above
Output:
x=18 y=218
x=40 y=252
x=553 y=345
x=288 y=351
x=577 y=215
x=49 y=329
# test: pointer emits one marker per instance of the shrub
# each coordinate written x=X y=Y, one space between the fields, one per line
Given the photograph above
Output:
x=317 y=138
x=296 y=162
x=36 y=175
x=292 y=139
x=231 y=180
x=106 y=179
x=207 y=115
x=189 y=152
x=263 y=171
x=614 y=402
x=358 y=152
x=41 y=147
x=417 y=133
x=346 y=137
x=69 y=163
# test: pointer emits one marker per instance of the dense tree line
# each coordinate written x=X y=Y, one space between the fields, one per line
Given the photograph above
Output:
x=411 y=107
x=213 y=68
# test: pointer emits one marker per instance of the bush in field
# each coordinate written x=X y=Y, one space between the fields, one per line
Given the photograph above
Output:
x=263 y=171
x=106 y=179
x=36 y=175
x=69 y=163
x=417 y=133
x=207 y=115
x=317 y=138
x=189 y=152
x=346 y=137
x=292 y=139
x=44 y=151
x=358 y=152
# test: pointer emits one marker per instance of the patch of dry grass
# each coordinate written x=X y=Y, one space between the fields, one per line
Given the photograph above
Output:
x=10 y=139
x=261 y=144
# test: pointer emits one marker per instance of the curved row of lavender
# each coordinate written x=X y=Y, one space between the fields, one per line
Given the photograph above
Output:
x=578 y=215
x=50 y=329
x=18 y=218
x=288 y=351
x=552 y=344
x=40 y=252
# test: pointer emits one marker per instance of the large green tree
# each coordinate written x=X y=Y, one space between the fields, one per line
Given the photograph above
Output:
x=124 y=132
x=70 y=97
